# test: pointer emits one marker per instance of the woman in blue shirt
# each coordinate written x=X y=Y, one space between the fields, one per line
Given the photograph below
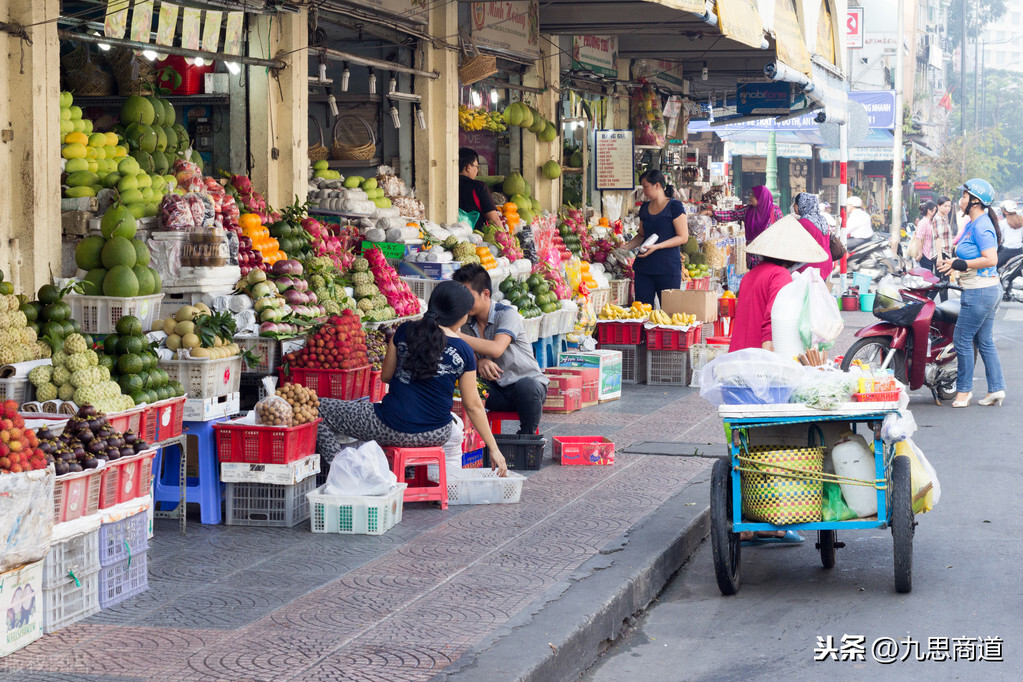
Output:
x=976 y=261
x=659 y=266
x=424 y=362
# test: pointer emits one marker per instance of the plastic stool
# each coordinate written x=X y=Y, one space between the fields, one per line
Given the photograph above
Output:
x=204 y=490
x=540 y=352
x=495 y=419
x=420 y=488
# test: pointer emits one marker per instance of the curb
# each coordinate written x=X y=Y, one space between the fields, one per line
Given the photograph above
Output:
x=561 y=634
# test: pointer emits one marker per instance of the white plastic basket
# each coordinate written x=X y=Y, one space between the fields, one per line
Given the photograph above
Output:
x=422 y=287
x=599 y=298
x=354 y=514
x=266 y=349
x=76 y=556
x=99 y=314
x=567 y=322
x=549 y=323
x=699 y=355
x=206 y=378
x=483 y=486
x=532 y=326
x=70 y=601
x=15 y=388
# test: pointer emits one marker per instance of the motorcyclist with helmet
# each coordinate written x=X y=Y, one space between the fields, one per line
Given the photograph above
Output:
x=976 y=258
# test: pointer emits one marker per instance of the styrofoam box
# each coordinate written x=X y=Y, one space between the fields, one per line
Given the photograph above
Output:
x=205 y=409
x=277 y=474
x=21 y=605
x=483 y=486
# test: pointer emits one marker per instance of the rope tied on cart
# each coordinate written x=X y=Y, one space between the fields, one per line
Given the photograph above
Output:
x=806 y=474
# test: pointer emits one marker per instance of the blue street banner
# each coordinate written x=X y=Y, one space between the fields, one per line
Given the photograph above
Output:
x=773 y=97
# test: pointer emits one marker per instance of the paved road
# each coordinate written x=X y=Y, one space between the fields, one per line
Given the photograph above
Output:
x=966 y=580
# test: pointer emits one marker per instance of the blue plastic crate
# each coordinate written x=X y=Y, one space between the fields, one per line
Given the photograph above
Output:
x=122 y=539
x=123 y=580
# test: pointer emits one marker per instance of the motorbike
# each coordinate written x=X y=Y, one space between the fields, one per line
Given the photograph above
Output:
x=912 y=337
x=873 y=256
x=1011 y=276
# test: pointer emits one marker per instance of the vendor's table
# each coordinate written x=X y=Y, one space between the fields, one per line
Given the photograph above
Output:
x=894 y=490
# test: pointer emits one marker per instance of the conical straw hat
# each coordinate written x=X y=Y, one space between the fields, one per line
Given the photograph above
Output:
x=788 y=240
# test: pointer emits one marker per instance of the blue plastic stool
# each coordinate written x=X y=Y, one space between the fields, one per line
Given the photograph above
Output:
x=556 y=345
x=540 y=353
x=204 y=490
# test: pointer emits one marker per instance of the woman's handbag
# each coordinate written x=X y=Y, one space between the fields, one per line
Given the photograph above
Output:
x=836 y=247
x=915 y=249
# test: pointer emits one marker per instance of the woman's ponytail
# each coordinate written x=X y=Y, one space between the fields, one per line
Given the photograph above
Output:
x=426 y=341
x=994 y=221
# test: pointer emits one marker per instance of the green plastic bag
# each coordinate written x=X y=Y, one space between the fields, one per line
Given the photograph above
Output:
x=468 y=217
x=834 y=507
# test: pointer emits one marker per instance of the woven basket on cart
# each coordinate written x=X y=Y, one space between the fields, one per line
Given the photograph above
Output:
x=135 y=75
x=782 y=485
x=475 y=67
x=84 y=75
x=317 y=152
x=350 y=133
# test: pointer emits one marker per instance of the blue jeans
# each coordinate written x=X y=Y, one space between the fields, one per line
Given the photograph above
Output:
x=975 y=324
x=648 y=286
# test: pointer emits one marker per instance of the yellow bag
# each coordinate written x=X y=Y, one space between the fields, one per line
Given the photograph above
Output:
x=926 y=489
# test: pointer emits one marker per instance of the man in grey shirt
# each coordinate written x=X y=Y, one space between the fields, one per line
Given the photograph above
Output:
x=496 y=333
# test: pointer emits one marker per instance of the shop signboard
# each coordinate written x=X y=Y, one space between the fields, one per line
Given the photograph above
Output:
x=484 y=143
x=507 y=26
x=614 y=158
x=854 y=28
x=598 y=54
x=412 y=11
x=771 y=97
x=880 y=106
x=661 y=72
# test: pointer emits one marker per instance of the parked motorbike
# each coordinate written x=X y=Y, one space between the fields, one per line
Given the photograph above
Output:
x=1011 y=275
x=913 y=337
x=873 y=256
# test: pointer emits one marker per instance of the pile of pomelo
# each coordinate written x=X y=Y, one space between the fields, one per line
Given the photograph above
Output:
x=117 y=263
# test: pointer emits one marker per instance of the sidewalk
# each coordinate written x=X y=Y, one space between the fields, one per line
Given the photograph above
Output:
x=264 y=603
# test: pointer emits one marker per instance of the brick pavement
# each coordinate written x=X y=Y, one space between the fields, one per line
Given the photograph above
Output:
x=240 y=603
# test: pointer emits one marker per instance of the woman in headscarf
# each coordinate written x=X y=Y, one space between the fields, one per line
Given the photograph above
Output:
x=761 y=214
x=807 y=207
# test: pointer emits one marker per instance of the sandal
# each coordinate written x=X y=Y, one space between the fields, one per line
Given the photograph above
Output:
x=791 y=537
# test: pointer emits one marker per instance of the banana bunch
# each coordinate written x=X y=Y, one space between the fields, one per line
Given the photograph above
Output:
x=478 y=119
x=676 y=320
x=637 y=311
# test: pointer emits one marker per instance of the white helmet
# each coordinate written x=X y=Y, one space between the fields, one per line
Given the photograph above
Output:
x=855 y=202
x=1009 y=206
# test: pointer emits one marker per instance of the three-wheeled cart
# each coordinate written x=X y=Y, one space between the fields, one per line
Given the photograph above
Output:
x=894 y=489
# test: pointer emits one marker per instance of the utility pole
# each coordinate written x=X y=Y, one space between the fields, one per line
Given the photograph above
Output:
x=896 y=226
x=976 y=85
x=962 y=70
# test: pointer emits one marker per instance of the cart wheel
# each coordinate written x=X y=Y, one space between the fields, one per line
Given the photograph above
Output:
x=901 y=520
x=826 y=544
x=725 y=543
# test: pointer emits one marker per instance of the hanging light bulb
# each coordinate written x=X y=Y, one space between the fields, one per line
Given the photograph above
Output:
x=705 y=73
x=332 y=103
x=346 y=76
x=149 y=54
x=394 y=117
x=102 y=46
x=372 y=82
x=323 y=70
x=233 y=67
x=421 y=117
x=476 y=99
x=392 y=85
x=493 y=96
x=199 y=61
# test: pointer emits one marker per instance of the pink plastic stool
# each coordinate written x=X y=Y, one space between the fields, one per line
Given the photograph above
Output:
x=495 y=419
x=420 y=488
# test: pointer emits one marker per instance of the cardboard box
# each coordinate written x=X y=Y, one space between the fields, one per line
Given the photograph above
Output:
x=205 y=409
x=583 y=450
x=277 y=474
x=607 y=362
x=21 y=605
x=703 y=304
x=564 y=394
x=590 y=377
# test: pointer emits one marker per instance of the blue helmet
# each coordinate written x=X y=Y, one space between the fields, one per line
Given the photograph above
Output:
x=981 y=189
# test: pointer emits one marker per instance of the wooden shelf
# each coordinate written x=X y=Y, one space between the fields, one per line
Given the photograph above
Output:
x=334 y=164
x=572 y=171
x=214 y=99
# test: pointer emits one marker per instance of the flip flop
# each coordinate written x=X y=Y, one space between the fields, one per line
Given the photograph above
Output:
x=791 y=537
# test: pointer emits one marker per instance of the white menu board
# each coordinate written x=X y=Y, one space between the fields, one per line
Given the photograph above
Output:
x=614 y=159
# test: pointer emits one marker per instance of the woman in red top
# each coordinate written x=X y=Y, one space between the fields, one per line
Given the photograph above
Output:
x=781 y=246
x=807 y=207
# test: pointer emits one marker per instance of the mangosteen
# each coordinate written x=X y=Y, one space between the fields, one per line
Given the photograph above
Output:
x=103 y=456
x=129 y=437
x=61 y=467
x=79 y=450
x=96 y=423
x=47 y=447
x=95 y=445
x=85 y=435
x=44 y=434
x=139 y=446
x=87 y=411
x=90 y=462
x=127 y=451
x=74 y=467
x=115 y=442
x=113 y=453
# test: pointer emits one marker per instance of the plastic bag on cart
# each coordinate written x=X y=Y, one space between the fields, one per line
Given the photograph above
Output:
x=898 y=426
x=360 y=469
x=926 y=488
x=834 y=507
x=752 y=376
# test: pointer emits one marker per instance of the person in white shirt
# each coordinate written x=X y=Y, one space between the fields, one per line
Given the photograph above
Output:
x=857 y=224
x=826 y=212
x=1011 y=227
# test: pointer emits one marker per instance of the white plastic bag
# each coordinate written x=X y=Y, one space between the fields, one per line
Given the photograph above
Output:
x=360 y=469
x=750 y=376
x=804 y=315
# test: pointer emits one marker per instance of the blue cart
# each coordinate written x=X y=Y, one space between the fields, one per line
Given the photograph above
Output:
x=894 y=489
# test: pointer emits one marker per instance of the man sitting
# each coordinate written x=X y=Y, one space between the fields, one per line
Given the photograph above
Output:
x=497 y=334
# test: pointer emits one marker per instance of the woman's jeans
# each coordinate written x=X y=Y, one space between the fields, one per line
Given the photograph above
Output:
x=975 y=325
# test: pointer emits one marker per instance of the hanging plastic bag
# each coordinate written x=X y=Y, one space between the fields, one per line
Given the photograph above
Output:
x=360 y=469
x=834 y=507
x=468 y=218
x=898 y=426
x=821 y=315
x=926 y=488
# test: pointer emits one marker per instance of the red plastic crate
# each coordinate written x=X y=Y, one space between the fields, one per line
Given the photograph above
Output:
x=253 y=444
x=726 y=307
x=192 y=76
x=76 y=495
x=377 y=387
x=620 y=333
x=584 y=450
x=341 y=384
x=132 y=419
x=168 y=419
x=126 y=479
x=673 y=339
x=590 y=377
x=878 y=397
x=698 y=284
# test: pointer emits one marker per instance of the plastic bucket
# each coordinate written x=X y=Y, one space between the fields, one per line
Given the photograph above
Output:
x=850 y=303
x=862 y=282
x=867 y=302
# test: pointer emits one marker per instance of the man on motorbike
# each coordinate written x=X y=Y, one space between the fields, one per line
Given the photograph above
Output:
x=858 y=227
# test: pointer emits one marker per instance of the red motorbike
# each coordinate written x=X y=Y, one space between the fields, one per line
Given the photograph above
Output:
x=913 y=337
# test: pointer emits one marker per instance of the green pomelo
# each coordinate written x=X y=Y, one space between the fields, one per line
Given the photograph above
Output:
x=121 y=281
x=118 y=252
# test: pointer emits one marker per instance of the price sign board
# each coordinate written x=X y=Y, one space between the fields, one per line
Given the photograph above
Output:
x=614 y=159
